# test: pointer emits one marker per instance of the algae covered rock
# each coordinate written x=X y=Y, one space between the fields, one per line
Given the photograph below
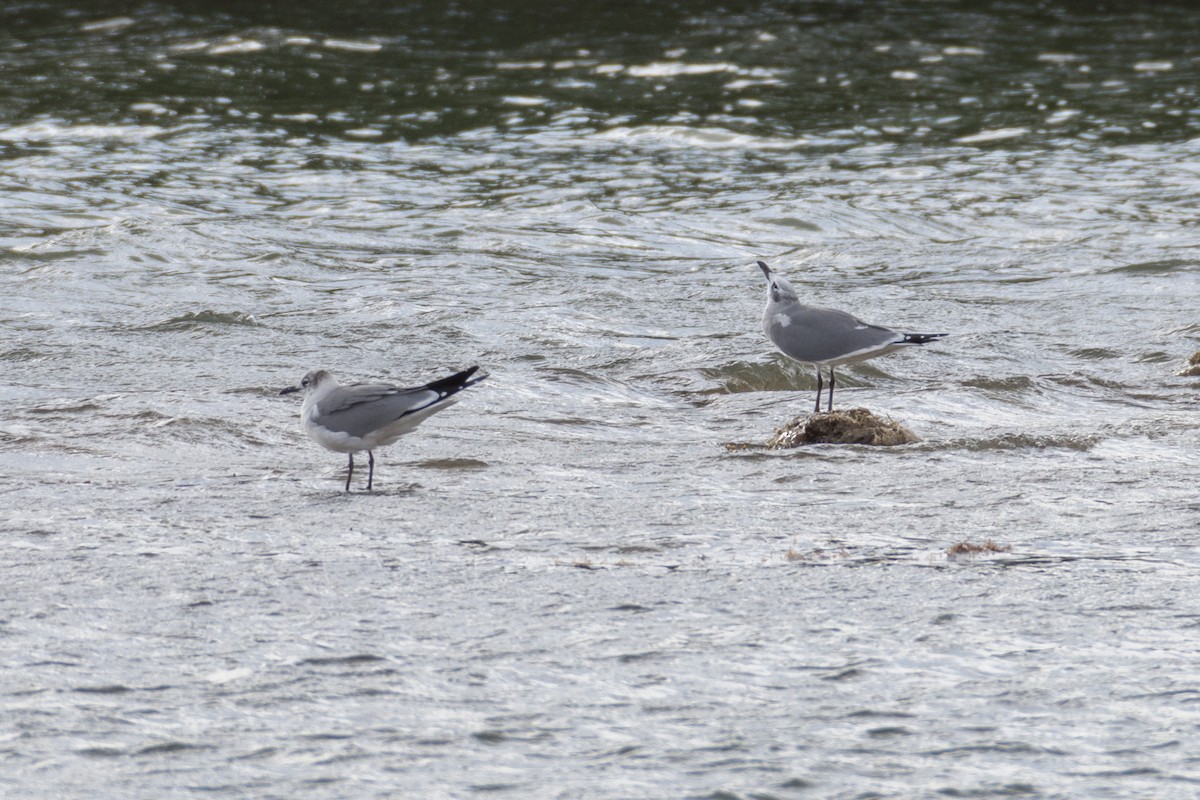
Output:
x=855 y=426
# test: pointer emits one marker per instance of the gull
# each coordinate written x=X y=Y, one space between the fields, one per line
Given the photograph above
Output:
x=364 y=416
x=825 y=337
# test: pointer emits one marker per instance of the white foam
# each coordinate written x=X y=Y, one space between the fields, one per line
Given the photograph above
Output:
x=682 y=136
x=47 y=130
x=236 y=46
x=672 y=69
x=995 y=135
x=517 y=100
x=352 y=45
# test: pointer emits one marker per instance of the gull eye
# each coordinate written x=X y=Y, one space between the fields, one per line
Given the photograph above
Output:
x=304 y=382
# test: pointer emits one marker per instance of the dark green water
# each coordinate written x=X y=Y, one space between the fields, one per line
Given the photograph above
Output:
x=565 y=586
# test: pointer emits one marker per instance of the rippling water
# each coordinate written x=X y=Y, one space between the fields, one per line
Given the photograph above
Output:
x=566 y=586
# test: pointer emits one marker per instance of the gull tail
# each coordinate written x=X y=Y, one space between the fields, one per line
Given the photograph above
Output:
x=922 y=338
x=455 y=383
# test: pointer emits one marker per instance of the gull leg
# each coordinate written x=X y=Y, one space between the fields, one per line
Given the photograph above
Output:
x=831 y=381
x=817 y=410
x=371 y=471
x=349 y=472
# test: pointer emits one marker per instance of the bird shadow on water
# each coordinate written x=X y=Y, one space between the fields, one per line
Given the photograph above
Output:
x=385 y=488
x=356 y=492
x=451 y=464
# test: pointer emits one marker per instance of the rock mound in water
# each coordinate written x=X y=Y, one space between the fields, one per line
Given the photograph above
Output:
x=856 y=426
x=1193 y=367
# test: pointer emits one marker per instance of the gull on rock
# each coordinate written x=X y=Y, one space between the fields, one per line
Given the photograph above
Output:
x=825 y=337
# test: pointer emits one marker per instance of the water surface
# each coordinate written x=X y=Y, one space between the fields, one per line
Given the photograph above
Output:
x=566 y=586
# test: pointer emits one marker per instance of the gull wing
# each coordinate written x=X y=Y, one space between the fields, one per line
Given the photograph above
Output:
x=820 y=335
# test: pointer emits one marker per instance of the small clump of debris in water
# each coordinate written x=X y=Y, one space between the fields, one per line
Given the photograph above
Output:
x=1192 y=369
x=965 y=551
x=855 y=426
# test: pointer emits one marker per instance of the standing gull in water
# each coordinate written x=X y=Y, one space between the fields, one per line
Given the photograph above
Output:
x=363 y=416
x=825 y=337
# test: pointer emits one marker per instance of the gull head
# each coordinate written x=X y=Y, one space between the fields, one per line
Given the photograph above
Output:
x=310 y=382
x=778 y=289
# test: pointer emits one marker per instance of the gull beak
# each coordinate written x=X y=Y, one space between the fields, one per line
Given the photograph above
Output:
x=766 y=270
x=289 y=390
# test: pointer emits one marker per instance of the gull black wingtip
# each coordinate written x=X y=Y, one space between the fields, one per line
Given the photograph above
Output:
x=468 y=376
x=923 y=338
x=474 y=378
x=457 y=382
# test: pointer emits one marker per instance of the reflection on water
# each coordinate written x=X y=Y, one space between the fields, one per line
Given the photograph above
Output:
x=571 y=588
